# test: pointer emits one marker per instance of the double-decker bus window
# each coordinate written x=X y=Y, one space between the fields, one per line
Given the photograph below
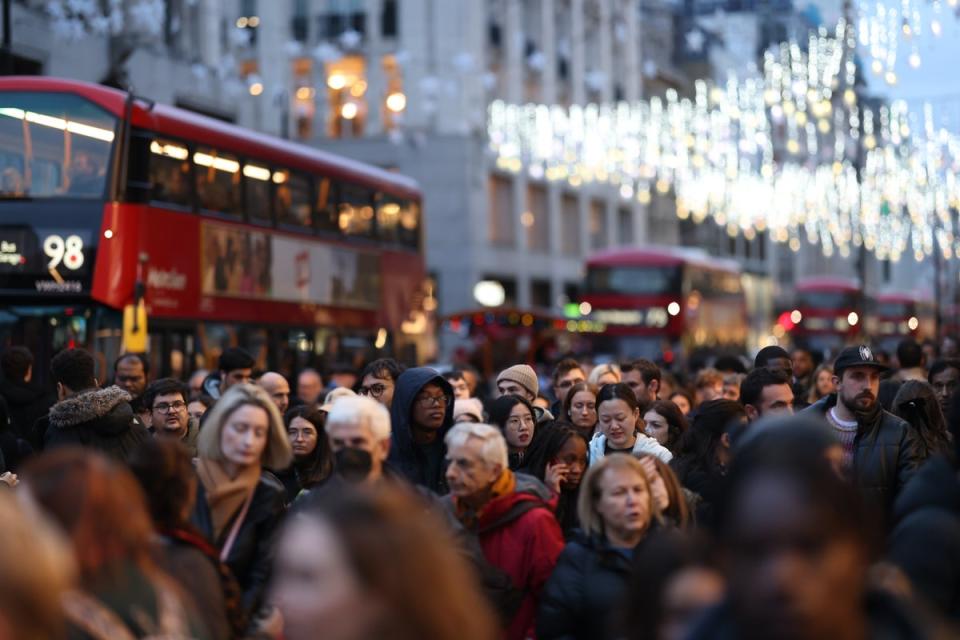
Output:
x=388 y=217
x=256 y=187
x=356 y=210
x=826 y=299
x=291 y=199
x=170 y=172
x=410 y=225
x=634 y=280
x=53 y=145
x=326 y=205
x=218 y=181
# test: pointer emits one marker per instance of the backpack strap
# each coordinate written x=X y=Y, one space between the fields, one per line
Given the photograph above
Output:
x=95 y=619
x=513 y=514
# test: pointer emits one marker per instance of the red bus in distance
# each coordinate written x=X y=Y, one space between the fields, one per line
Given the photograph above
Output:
x=234 y=237
x=830 y=313
x=895 y=316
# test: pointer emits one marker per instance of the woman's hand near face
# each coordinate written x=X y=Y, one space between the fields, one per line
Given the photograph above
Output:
x=555 y=475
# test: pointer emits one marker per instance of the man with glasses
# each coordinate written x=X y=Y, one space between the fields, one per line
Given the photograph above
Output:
x=167 y=401
x=421 y=414
x=379 y=380
x=567 y=373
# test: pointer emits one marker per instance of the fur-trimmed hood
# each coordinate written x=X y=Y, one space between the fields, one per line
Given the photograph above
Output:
x=91 y=407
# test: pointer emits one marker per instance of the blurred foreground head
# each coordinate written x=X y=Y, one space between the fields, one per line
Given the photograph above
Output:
x=374 y=565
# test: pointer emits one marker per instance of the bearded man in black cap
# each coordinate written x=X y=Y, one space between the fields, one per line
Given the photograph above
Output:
x=879 y=449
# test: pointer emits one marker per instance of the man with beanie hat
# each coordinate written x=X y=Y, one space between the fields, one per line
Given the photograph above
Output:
x=521 y=380
x=880 y=452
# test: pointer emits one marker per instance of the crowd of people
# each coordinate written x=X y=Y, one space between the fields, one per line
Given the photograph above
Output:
x=778 y=498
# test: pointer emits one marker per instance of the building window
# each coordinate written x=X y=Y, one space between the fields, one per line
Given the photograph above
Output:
x=388 y=19
x=536 y=219
x=598 y=224
x=570 y=225
x=509 y=288
x=347 y=88
x=501 y=227
x=541 y=294
x=625 y=226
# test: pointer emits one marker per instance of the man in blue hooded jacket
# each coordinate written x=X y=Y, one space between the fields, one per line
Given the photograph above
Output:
x=421 y=414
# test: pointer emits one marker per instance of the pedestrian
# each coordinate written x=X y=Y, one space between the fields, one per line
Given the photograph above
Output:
x=566 y=373
x=643 y=378
x=312 y=457
x=617 y=513
x=621 y=426
x=277 y=388
x=239 y=504
x=198 y=406
x=944 y=377
x=803 y=371
x=912 y=361
x=558 y=458
x=880 y=452
x=509 y=513
x=708 y=386
x=917 y=403
x=196 y=383
x=309 y=387
x=26 y=401
x=774 y=357
x=165 y=472
x=468 y=410
x=38 y=571
x=675 y=504
x=604 y=374
x=514 y=416
x=420 y=416
x=822 y=384
x=100 y=507
x=731 y=386
x=521 y=380
x=379 y=380
x=131 y=372
x=358 y=564
x=358 y=429
x=580 y=409
x=165 y=399
x=705 y=453
x=86 y=415
x=461 y=391
x=766 y=392
x=665 y=423
x=683 y=400
x=235 y=366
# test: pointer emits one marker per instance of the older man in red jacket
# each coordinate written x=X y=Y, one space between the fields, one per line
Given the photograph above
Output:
x=510 y=514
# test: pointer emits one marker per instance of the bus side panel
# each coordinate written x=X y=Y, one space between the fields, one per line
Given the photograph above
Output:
x=402 y=275
x=115 y=271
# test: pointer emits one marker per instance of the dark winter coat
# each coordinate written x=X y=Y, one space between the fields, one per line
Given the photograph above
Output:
x=925 y=543
x=26 y=405
x=251 y=557
x=884 y=458
x=99 y=419
x=407 y=457
x=584 y=590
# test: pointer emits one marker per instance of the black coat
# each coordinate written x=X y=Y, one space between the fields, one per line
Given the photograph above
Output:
x=584 y=591
x=925 y=543
x=26 y=405
x=251 y=557
x=884 y=456
x=99 y=419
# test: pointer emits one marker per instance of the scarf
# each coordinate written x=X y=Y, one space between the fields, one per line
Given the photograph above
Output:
x=504 y=485
x=225 y=495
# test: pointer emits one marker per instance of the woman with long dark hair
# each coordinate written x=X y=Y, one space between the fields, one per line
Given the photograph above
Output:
x=312 y=456
x=517 y=421
x=580 y=409
x=558 y=458
x=666 y=424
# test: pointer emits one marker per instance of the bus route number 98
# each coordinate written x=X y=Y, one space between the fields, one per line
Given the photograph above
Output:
x=68 y=252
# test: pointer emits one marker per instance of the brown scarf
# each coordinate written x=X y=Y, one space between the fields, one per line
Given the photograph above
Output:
x=225 y=495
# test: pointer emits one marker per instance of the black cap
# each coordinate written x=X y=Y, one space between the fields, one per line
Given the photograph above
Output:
x=856 y=356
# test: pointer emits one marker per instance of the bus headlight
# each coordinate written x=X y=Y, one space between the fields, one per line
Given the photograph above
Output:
x=673 y=308
x=853 y=318
x=913 y=323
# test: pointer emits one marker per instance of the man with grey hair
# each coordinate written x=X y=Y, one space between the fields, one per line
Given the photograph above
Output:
x=507 y=512
x=359 y=431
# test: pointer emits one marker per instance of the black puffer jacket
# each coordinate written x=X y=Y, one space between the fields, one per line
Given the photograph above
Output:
x=584 y=590
x=926 y=541
x=884 y=458
x=100 y=419
x=251 y=556
x=26 y=404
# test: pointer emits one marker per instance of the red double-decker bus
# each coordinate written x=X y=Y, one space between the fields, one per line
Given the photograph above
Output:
x=230 y=237
x=828 y=314
x=895 y=316
x=657 y=302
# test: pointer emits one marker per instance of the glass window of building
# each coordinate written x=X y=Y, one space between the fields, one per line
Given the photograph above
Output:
x=346 y=97
x=536 y=219
x=500 y=229
x=570 y=225
x=598 y=224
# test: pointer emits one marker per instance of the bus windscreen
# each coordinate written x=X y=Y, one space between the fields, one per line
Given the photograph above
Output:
x=633 y=280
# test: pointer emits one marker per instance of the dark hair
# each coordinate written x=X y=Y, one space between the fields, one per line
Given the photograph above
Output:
x=698 y=447
x=765 y=355
x=680 y=391
x=678 y=513
x=564 y=366
x=676 y=422
x=917 y=403
x=648 y=370
x=235 y=358
x=453 y=375
x=74 y=369
x=729 y=364
x=15 y=362
x=164 y=470
x=544 y=450
x=203 y=399
x=141 y=358
x=317 y=466
x=620 y=391
x=751 y=389
x=382 y=368
x=939 y=366
x=887 y=392
x=583 y=385
x=501 y=407
x=909 y=354
x=163 y=387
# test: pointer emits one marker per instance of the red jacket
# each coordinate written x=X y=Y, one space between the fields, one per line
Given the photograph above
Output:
x=520 y=535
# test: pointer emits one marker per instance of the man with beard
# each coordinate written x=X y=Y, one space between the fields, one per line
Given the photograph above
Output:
x=877 y=446
x=166 y=399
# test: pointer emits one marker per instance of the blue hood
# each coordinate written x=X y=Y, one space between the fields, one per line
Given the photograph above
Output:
x=403 y=456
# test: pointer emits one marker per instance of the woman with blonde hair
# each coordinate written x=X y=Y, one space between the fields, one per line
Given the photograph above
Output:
x=239 y=503
x=604 y=374
x=617 y=514
x=822 y=384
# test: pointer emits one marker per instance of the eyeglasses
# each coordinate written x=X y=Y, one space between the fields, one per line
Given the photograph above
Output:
x=167 y=407
x=566 y=384
x=375 y=390
x=429 y=401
